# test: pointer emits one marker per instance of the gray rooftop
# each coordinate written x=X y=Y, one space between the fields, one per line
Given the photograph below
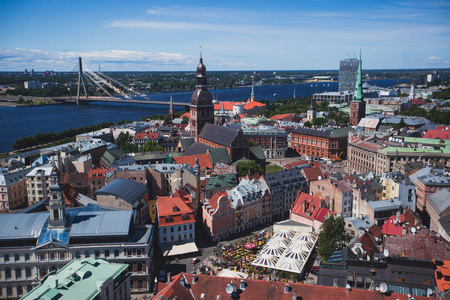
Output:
x=101 y=223
x=439 y=200
x=13 y=177
x=22 y=226
x=382 y=205
x=128 y=190
x=219 y=134
x=326 y=132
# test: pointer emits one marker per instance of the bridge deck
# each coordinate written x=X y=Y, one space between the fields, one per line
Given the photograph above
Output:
x=123 y=101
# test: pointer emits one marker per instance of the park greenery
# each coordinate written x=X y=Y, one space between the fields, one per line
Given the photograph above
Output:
x=250 y=167
x=57 y=138
x=332 y=236
x=434 y=115
x=125 y=142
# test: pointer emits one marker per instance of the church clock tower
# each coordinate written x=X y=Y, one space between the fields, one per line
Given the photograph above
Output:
x=201 y=108
x=57 y=207
x=358 y=105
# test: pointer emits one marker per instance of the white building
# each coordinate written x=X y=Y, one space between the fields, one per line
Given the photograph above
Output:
x=39 y=181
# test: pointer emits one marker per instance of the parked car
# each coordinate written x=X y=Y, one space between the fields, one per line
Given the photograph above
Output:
x=195 y=260
x=162 y=276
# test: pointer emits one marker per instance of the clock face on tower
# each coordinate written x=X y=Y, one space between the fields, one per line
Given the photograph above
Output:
x=205 y=100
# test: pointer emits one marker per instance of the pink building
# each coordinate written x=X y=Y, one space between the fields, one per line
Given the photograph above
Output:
x=219 y=217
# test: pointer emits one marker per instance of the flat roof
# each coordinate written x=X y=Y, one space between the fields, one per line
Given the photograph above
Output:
x=101 y=223
x=22 y=226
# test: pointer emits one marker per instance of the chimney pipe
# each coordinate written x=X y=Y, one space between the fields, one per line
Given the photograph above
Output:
x=404 y=253
x=169 y=277
x=294 y=295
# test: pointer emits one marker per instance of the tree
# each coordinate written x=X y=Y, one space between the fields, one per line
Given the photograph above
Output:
x=185 y=120
x=245 y=168
x=150 y=146
x=319 y=121
x=123 y=139
x=307 y=124
x=332 y=236
x=400 y=125
x=252 y=143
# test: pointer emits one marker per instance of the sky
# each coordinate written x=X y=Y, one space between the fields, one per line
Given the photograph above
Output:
x=166 y=35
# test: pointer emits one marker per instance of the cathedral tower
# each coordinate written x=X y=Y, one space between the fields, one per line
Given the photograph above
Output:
x=57 y=207
x=358 y=105
x=201 y=108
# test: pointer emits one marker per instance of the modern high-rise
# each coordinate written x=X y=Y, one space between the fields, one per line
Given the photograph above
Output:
x=348 y=69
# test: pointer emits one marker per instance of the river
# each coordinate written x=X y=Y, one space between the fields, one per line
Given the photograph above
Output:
x=18 y=122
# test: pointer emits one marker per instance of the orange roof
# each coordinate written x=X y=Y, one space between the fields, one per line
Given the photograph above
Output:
x=251 y=105
x=312 y=174
x=281 y=116
x=442 y=273
x=186 y=114
x=203 y=160
x=175 y=208
x=98 y=172
x=306 y=205
x=226 y=105
x=213 y=202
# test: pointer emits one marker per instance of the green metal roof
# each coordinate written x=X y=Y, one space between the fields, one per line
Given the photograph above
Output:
x=257 y=152
x=416 y=140
x=222 y=181
x=219 y=155
x=79 y=279
x=445 y=150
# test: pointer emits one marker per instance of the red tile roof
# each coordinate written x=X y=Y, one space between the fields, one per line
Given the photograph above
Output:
x=149 y=135
x=307 y=206
x=417 y=102
x=369 y=145
x=322 y=214
x=203 y=160
x=312 y=174
x=424 y=244
x=226 y=105
x=282 y=117
x=213 y=286
x=437 y=134
x=297 y=163
x=215 y=200
x=375 y=230
x=98 y=173
x=391 y=228
x=175 y=208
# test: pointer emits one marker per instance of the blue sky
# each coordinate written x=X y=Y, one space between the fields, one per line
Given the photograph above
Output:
x=234 y=35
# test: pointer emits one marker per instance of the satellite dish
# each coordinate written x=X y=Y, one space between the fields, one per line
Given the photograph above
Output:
x=229 y=289
x=383 y=287
x=347 y=286
x=319 y=177
x=386 y=252
x=413 y=230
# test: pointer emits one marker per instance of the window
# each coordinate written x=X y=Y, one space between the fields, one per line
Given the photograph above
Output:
x=106 y=253
x=77 y=254
x=9 y=290
x=164 y=230
x=179 y=228
x=184 y=227
x=16 y=257
x=87 y=254
x=62 y=255
x=6 y=257
x=27 y=272
x=7 y=273
x=138 y=252
x=116 y=253
x=190 y=225
x=129 y=252
x=42 y=256
x=139 y=267
x=52 y=256
x=171 y=229
x=97 y=254
x=27 y=257
x=18 y=272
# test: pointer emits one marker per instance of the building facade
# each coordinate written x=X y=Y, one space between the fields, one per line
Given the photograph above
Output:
x=322 y=142
x=32 y=245
x=273 y=141
x=219 y=217
x=348 y=69
x=13 y=189
x=39 y=181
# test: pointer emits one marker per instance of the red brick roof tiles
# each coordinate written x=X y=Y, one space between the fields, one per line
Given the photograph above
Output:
x=175 y=208
x=212 y=287
x=425 y=244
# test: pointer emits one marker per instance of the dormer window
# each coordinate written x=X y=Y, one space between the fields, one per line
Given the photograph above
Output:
x=185 y=217
x=169 y=219
x=175 y=208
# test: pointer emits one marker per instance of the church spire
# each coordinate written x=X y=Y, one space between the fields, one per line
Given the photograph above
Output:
x=252 y=96
x=358 y=96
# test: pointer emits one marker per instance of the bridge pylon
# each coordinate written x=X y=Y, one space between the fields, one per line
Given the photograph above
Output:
x=81 y=81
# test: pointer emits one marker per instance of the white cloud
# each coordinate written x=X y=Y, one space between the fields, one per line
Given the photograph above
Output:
x=111 y=60
x=434 y=60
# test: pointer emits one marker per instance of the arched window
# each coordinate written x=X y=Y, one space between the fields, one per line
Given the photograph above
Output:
x=139 y=267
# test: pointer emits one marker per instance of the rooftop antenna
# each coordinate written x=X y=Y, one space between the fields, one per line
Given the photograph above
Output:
x=99 y=68
x=201 y=52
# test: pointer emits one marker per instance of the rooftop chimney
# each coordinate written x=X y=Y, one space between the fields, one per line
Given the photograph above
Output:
x=169 y=277
x=194 y=278
x=404 y=253
x=294 y=295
